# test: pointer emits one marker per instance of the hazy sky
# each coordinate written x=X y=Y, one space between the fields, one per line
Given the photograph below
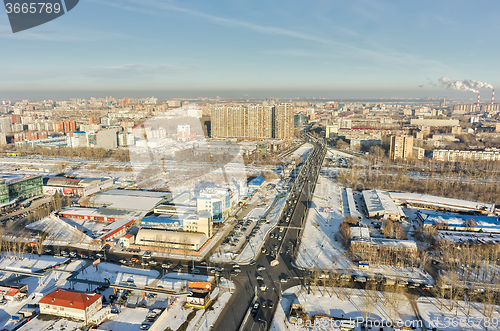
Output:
x=142 y=45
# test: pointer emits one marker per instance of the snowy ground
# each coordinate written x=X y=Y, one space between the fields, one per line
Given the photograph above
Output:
x=462 y=317
x=355 y=304
x=30 y=263
x=318 y=247
x=44 y=323
x=118 y=274
x=129 y=319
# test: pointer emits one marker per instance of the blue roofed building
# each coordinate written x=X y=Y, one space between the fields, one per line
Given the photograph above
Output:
x=255 y=184
x=461 y=222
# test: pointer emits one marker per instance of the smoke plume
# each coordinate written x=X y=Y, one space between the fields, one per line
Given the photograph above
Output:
x=466 y=85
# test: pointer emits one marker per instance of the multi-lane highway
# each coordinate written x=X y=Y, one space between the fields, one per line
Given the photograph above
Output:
x=262 y=282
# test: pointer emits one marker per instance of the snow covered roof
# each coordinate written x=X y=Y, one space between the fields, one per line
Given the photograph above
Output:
x=138 y=193
x=102 y=212
x=127 y=202
x=395 y=243
x=482 y=222
x=432 y=200
x=380 y=202
x=257 y=181
x=360 y=232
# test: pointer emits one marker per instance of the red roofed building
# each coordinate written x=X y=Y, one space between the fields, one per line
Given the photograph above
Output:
x=75 y=305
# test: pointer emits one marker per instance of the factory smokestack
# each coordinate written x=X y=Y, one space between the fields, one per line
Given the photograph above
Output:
x=478 y=97
x=493 y=97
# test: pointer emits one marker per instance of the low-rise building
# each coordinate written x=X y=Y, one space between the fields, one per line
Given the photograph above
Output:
x=79 y=187
x=255 y=184
x=456 y=155
x=126 y=240
x=71 y=304
x=379 y=204
x=201 y=222
x=167 y=239
x=460 y=222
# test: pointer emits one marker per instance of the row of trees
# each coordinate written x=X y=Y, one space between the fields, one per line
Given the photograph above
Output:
x=468 y=187
x=87 y=153
x=393 y=230
x=392 y=298
x=57 y=202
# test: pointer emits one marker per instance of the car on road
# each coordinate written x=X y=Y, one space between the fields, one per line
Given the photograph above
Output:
x=153 y=262
x=255 y=309
x=166 y=265
x=237 y=270
x=261 y=268
x=145 y=326
x=144 y=263
x=123 y=261
x=360 y=279
x=147 y=255
x=264 y=303
x=177 y=268
x=285 y=279
x=259 y=277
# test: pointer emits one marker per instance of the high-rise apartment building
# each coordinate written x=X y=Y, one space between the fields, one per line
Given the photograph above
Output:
x=260 y=121
x=253 y=121
x=283 y=121
x=401 y=147
x=5 y=124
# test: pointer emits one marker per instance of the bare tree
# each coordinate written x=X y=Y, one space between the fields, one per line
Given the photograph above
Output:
x=344 y=234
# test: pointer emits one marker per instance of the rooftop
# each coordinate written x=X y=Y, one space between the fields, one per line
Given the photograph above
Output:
x=257 y=181
x=12 y=178
x=483 y=222
x=432 y=200
x=104 y=212
x=380 y=202
x=70 y=299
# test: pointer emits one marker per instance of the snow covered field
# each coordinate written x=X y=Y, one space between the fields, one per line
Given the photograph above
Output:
x=318 y=247
x=129 y=319
x=475 y=316
x=30 y=263
x=355 y=304
x=118 y=274
x=50 y=323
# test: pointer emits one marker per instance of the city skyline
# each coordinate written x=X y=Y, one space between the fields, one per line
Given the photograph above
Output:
x=378 y=49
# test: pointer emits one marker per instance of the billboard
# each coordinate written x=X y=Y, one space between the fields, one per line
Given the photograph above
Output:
x=200 y=285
